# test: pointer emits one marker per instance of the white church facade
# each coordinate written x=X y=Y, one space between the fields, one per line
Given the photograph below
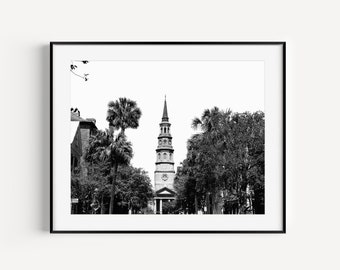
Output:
x=165 y=172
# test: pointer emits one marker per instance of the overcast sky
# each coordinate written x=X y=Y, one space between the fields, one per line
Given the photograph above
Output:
x=190 y=87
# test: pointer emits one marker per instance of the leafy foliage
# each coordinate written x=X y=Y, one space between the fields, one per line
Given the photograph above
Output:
x=224 y=161
x=133 y=189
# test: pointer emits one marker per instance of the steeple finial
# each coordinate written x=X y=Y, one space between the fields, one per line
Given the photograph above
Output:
x=165 y=112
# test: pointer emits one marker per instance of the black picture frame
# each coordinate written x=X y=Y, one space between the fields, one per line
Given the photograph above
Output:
x=240 y=43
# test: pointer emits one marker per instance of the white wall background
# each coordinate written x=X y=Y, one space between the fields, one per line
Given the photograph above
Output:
x=312 y=34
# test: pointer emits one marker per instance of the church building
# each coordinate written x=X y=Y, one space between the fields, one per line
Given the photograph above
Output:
x=165 y=172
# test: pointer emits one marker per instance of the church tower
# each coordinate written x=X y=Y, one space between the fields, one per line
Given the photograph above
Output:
x=165 y=172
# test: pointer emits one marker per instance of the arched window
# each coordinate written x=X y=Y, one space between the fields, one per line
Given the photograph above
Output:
x=159 y=156
x=165 y=156
x=170 y=156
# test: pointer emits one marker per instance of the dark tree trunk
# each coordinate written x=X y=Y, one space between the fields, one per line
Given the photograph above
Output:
x=113 y=189
x=208 y=203
x=196 y=204
x=102 y=210
x=259 y=201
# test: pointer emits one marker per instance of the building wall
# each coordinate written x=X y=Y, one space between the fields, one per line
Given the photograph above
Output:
x=164 y=156
x=85 y=137
x=80 y=144
x=160 y=183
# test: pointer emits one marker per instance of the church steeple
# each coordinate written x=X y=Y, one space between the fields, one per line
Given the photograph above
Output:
x=165 y=117
x=165 y=171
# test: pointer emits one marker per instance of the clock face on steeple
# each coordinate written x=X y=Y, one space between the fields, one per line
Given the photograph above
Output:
x=164 y=177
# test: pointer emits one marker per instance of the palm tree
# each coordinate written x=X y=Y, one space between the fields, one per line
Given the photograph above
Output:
x=119 y=152
x=210 y=119
x=121 y=114
x=107 y=153
x=97 y=144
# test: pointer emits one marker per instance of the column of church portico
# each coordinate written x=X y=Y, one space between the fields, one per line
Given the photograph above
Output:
x=160 y=206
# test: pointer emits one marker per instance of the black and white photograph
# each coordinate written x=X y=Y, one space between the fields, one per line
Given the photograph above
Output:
x=168 y=136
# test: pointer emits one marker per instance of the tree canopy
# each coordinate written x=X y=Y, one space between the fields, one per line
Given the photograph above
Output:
x=224 y=167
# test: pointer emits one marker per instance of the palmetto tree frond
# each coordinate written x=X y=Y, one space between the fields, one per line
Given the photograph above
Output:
x=119 y=151
x=196 y=122
x=123 y=113
x=97 y=144
x=210 y=120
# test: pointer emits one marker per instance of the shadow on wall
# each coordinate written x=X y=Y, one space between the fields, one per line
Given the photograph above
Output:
x=44 y=91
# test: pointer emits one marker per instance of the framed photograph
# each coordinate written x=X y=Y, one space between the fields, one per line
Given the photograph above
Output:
x=168 y=137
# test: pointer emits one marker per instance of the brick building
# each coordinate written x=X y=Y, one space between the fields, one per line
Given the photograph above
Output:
x=81 y=130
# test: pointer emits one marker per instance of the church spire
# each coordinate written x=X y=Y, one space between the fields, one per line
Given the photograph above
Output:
x=165 y=117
